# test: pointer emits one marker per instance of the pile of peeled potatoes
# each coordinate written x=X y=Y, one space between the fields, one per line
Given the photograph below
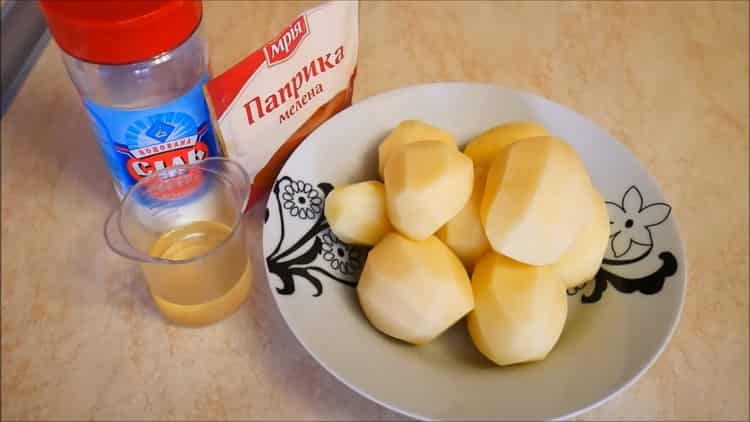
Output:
x=496 y=233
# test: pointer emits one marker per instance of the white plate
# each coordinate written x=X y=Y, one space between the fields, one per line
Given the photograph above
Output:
x=616 y=326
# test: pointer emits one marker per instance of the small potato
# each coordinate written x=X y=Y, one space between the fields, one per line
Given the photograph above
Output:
x=426 y=184
x=536 y=201
x=582 y=260
x=484 y=148
x=407 y=132
x=413 y=290
x=519 y=312
x=356 y=213
x=464 y=233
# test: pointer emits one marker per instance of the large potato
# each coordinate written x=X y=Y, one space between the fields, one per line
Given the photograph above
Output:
x=486 y=146
x=426 y=184
x=536 y=201
x=407 y=132
x=519 y=311
x=582 y=260
x=356 y=213
x=464 y=233
x=413 y=290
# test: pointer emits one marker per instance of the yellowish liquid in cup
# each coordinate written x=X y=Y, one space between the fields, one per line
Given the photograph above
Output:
x=205 y=290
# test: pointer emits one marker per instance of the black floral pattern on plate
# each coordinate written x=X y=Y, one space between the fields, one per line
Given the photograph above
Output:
x=302 y=200
x=341 y=256
x=631 y=241
x=317 y=253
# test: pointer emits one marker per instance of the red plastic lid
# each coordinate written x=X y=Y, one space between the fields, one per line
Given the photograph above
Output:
x=120 y=31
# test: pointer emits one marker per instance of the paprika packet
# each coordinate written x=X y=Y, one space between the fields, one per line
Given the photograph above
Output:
x=264 y=106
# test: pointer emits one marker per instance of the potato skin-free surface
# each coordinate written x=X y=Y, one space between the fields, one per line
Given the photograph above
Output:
x=519 y=310
x=357 y=213
x=426 y=184
x=583 y=259
x=536 y=200
x=409 y=131
x=464 y=233
x=486 y=146
x=413 y=290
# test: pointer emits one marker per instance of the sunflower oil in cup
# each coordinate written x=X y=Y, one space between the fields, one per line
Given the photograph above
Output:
x=203 y=290
x=184 y=226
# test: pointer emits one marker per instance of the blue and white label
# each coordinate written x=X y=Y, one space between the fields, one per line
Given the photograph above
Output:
x=138 y=142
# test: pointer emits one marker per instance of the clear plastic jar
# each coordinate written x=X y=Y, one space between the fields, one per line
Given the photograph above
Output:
x=141 y=83
x=148 y=83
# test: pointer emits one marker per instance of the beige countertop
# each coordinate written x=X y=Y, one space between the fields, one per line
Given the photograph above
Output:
x=80 y=338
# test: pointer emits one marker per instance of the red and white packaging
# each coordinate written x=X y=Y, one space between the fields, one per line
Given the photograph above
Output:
x=264 y=106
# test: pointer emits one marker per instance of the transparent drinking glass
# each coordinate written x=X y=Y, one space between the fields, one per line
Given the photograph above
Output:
x=184 y=226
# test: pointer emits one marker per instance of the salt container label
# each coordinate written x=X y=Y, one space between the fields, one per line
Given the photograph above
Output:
x=138 y=142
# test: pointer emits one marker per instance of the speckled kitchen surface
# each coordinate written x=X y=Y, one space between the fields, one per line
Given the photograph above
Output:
x=81 y=339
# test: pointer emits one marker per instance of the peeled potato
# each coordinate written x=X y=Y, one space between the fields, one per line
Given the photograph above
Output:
x=519 y=311
x=484 y=148
x=536 y=200
x=407 y=132
x=582 y=260
x=356 y=213
x=426 y=184
x=413 y=290
x=464 y=233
